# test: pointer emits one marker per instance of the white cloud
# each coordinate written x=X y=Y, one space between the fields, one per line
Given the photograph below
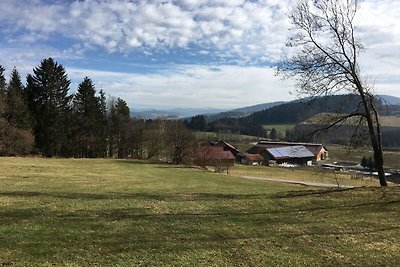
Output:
x=192 y=86
x=126 y=26
x=223 y=31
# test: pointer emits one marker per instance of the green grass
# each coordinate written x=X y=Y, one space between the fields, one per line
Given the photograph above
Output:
x=67 y=212
x=391 y=121
x=230 y=137
x=385 y=121
x=280 y=128
x=306 y=174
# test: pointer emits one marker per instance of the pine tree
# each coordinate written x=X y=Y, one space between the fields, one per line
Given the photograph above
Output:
x=123 y=127
x=111 y=127
x=89 y=114
x=273 y=134
x=2 y=91
x=50 y=106
x=102 y=126
x=17 y=112
x=3 y=121
x=18 y=138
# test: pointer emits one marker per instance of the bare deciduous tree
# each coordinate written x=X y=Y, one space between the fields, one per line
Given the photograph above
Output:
x=325 y=62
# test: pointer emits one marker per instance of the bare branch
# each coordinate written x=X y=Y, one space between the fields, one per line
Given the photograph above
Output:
x=325 y=62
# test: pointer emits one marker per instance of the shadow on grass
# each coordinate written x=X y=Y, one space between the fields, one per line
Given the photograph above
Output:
x=302 y=193
x=137 y=161
x=138 y=196
x=108 y=232
x=223 y=210
x=114 y=229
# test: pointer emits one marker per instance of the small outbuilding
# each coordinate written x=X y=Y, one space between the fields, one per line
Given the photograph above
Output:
x=213 y=155
x=252 y=159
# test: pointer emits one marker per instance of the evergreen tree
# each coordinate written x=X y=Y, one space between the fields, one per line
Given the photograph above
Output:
x=88 y=117
x=197 y=123
x=273 y=134
x=17 y=112
x=120 y=128
x=3 y=121
x=18 y=138
x=102 y=127
x=123 y=127
x=111 y=127
x=371 y=164
x=2 y=92
x=364 y=162
x=50 y=105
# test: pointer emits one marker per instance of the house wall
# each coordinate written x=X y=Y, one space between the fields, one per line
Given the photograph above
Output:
x=322 y=155
x=223 y=162
x=297 y=161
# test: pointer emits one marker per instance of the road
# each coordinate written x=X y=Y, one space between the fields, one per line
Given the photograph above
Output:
x=297 y=182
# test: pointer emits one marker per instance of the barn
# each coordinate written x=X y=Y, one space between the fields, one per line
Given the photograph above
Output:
x=298 y=155
x=319 y=151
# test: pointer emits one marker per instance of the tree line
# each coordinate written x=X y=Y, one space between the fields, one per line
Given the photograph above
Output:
x=226 y=125
x=43 y=117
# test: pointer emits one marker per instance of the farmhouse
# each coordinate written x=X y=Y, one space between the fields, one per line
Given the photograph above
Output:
x=298 y=155
x=319 y=151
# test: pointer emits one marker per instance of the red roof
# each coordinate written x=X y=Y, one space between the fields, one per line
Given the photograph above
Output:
x=214 y=152
x=219 y=153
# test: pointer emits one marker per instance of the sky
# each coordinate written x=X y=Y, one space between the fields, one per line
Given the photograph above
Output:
x=182 y=53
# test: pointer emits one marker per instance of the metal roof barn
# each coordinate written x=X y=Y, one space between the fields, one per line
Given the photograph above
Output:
x=290 y=152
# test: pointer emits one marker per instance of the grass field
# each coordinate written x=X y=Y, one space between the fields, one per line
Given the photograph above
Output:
x=280 y=128
x=227 y=136
x=67 y=212
x=305 y=174
x=337 y=153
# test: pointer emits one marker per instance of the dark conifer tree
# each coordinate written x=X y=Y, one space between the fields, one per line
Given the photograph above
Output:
x=2 y=91
x=102 y=124
x=123 y=127
x=17 y=112
x=111 y=127
x=50 y=105
x=3 y=121
x=17 y=138
x=88 y=117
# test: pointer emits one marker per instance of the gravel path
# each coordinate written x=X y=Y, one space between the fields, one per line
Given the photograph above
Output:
x=297 y=182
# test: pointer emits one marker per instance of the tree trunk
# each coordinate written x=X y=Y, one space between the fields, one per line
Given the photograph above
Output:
x=376 y=141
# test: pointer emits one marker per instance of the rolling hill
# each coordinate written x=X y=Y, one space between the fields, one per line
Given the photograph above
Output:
x=294 y=112
x=242 y=112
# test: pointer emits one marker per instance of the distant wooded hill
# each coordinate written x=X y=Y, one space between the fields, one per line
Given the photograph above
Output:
x=300 y=110
x=242 y=112
x=287 y=113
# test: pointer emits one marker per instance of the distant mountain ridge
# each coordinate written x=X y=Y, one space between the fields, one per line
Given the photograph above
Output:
x=300 y=110
x=213 y=114
x=243 y=112
x=176 y=113
x=390 y=100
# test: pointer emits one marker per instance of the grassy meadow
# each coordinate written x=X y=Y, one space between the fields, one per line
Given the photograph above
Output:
x=338 y=153
x=96 y=212
x=280 y=128
x=305 y=174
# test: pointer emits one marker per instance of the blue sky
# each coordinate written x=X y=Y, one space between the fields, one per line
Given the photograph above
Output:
x=181 y=53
